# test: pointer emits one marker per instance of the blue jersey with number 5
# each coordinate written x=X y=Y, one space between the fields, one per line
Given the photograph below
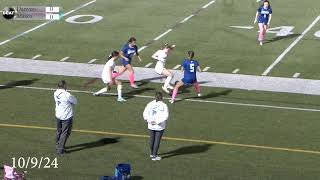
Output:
x=190 y=69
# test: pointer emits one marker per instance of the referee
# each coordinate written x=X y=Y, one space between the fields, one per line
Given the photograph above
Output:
x=156 y=114
x=64 y=115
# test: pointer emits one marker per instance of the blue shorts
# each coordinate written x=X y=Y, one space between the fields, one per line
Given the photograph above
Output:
x=263 y=22
x=124 y=62
x=188 y=81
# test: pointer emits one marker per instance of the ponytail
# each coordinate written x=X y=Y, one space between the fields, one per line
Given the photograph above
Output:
x=113 y=54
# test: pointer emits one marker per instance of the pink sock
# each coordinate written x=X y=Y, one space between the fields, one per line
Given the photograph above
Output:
x=115 y=75
x=131 y=78
x=197 y=87
x=174 y=94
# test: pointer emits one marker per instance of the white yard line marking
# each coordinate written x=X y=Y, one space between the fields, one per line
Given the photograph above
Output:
x=92 y=61
x=206 y=69
x=148 y=65
x=286 y=51
x=142 y=48
x=235 y=71
x=64 y=59
x=187 y=18
x=205 y=6
x=163 y=34
x=296 y=75
x=242 y=27
x=43 y=24
x=9 y=54
x=177 y=66
x=36 y=56
x=190 y=100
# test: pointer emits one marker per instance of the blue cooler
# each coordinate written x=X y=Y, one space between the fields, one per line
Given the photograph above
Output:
x=122 y=172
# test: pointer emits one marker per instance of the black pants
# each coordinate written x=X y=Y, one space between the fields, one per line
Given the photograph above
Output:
x=155 y=138
x=64 y=128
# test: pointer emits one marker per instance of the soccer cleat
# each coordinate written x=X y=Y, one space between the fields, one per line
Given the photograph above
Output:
x=96 y=94
x=171 y=101
x=134 y=86
x=199 y=95
x=165 y=89
x=156 y=158
x=261 y=43
x=121 y=99
x=170 y=87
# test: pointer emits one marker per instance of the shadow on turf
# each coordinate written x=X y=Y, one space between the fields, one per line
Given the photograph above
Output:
x=210 y=95
x=136 y=177
x=12 y=84
x=278 y=38
x=89 y=145
x=134 y=92
x=195 y=149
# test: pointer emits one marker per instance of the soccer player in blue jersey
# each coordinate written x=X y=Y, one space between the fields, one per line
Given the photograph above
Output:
x=263 y=17
x=189 y=68
x=128 y=51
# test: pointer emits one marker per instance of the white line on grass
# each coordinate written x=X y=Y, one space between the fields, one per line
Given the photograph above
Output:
x=9 y=54
x=142 y=48
x=43 y=24
x=235 y=71
x=206 y=69
x=92 y=61
x=190 y=100
x=36 y=56
x=205 y=6
x=177 y=66
x=296 y=75
x=64 y=59
x=187 y=18
x=148 y=65
x=163 y=34
x=286 y=51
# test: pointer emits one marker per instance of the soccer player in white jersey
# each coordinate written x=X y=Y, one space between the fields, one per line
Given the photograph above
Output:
x=107 y=76
x=161 y=57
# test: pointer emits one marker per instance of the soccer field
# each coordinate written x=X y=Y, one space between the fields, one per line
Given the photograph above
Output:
x=227 y=134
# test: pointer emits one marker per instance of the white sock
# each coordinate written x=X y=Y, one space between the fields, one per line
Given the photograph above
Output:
x=119 y=88
x=167 y=82
x=102 y=91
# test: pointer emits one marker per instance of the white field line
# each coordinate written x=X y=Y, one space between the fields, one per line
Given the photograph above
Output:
x=205 y=6
x=235 y=71
x=9 y=54
x=148 y=65
x=142 y=48
x=296 y=75
x=190 y=100
x=206 y=69
x=36 y=56
x=43 y=24
x=92 y=61
x=64 y=59
x=187 y=18
x=163 y=34
x=177 y=66
x=286 y=51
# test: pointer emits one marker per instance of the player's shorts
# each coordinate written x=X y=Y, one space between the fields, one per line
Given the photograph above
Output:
x=159 y=68
x=264 y=22
x=188 y=81
x=106 y=78
x=124 y=62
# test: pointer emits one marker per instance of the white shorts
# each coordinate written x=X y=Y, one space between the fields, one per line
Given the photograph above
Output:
x=159 y=68
x=106 y=79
